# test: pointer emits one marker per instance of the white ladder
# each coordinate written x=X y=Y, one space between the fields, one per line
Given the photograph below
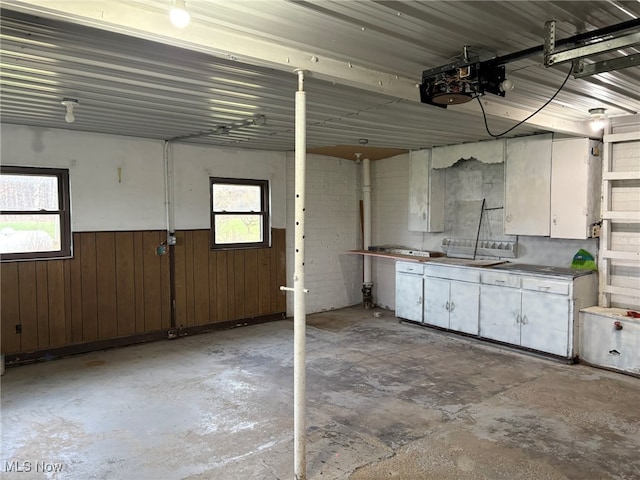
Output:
x=612 y=180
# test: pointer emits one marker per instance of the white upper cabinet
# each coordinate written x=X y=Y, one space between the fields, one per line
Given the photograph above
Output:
x=426 y=194
x=419 y=190
x=527 y=202
x=575 y=188
x=552 y=187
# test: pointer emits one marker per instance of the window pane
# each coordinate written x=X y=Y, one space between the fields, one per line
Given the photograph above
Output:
x=236 y=198
x=238 y=229
x=29 y=233
x=28 y=192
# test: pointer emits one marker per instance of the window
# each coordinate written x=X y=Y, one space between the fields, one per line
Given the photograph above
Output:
x=34 y=213
x=239 y=213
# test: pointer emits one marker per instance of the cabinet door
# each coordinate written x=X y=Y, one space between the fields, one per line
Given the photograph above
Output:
x=527 y=196
x=436 y=200
x=500 y=313
x=463 y=307
x=545 y=322
x=569 y=184
x=436 y=302
x=409 y=297
x=418 y=190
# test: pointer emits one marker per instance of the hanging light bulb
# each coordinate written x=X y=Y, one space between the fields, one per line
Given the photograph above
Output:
x=70 y=104
x=597 y=118
x=179 y=15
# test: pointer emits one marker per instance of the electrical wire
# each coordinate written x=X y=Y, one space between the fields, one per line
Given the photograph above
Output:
x=484 y=115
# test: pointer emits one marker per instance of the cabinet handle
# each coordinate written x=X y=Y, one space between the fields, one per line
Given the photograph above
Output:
x=453 y=306
x=544 y=287
x=518 y=318
x=555 y=220
x=524 y=320
x=500 y=281
x=447 y=306
x=419 y=300
x=509 y=217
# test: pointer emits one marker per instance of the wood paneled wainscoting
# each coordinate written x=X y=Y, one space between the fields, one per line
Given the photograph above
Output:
x=116 y=290
x=224 y=285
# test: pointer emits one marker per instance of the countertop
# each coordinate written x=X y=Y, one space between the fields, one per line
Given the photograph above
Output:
x=424 y=257
x=541 y=270
x=496 y=264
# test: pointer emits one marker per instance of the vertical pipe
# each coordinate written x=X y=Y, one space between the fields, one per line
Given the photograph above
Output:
x=171 y=222
x=165 y=164
x=367 y=285
x=299 y=308
x=170 y=219
x=366 y=208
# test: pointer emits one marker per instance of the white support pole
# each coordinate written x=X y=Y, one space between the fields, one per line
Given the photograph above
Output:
x=299 y=308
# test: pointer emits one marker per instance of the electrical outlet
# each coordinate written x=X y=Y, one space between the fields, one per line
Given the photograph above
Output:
x=595 y=231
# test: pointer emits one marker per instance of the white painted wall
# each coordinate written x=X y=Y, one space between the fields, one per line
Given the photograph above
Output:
x=390 y=223
x=100 y=202
x=332 y=226
x=195 y=164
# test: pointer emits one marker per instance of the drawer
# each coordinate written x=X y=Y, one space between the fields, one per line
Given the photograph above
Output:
x=546 y=286
x=501 y=279
x=452 y=273
x=410 y=267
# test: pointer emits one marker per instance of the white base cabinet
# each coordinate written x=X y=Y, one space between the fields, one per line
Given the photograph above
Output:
x=546 y=322
x=533 y=311
x=409 y=290
x=500 y=309
x=450 y=302
x=436 y=302
x=539 y=321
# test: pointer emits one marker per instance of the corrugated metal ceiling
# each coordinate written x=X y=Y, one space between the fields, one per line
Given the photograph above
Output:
x=134 y=86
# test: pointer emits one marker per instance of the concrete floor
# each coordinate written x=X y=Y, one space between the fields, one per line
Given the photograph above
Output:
x=385 y=400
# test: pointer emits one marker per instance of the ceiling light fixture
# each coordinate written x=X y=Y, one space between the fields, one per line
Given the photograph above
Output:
x=70 y=104
x=597 y=118
x=179 y=15
x=507 y=85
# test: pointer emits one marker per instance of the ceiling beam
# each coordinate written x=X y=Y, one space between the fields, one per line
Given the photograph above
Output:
x=144 y=20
